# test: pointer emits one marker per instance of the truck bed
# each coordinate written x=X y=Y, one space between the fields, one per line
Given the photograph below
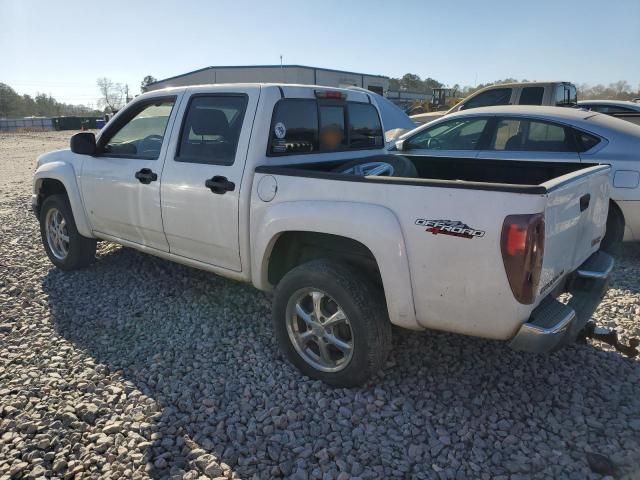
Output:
x=498 y=175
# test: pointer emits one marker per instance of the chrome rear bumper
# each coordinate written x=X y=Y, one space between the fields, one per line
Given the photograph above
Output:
x=553 y=323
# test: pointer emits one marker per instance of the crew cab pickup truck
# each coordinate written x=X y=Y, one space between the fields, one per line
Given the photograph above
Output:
x=556 y=94
x=290 y=188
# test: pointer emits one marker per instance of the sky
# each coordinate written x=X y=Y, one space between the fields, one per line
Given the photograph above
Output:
x=62 y=47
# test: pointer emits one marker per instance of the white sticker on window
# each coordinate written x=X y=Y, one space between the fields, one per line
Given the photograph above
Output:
x=280 y=130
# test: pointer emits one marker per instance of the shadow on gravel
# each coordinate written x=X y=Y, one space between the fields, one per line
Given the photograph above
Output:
x=446 y=406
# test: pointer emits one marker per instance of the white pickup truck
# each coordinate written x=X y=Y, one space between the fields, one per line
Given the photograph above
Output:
x=290 y=188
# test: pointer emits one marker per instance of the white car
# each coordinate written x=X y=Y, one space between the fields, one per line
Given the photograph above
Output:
x=281 y=186
x=629 y=111
x=544 y=134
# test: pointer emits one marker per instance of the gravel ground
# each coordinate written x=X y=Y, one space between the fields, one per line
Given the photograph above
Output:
x=137 y=367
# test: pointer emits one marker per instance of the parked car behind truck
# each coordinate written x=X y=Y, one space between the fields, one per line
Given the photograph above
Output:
x=629 y=111
x=560 y=94
x=518 y=133
x=290 y=188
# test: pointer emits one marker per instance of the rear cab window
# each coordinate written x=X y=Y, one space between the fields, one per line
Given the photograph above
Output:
x=302 y=126
x=566 y=95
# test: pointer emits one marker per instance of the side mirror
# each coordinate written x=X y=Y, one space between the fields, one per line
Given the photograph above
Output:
x=83 y=143
x=400 y=145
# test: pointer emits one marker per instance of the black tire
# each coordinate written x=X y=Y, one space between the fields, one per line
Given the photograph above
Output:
x=612 y=241
x=402 y=166
x=81 y=250
x=362 y=303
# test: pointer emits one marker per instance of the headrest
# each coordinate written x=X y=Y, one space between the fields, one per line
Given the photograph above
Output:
x=208 y=121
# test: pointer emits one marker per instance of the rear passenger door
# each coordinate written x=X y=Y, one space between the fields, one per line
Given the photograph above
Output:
x=203 y=172
x=519 y=138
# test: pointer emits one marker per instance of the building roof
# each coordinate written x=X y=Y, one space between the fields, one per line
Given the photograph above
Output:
x=263 y=66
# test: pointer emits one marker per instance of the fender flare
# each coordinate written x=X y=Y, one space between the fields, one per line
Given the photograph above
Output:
x=65 y=174
x=376 y=227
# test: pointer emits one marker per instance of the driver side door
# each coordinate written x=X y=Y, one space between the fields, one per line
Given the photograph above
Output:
x=121 y=183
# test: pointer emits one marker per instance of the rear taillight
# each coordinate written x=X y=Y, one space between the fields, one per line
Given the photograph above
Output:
x=522 y=245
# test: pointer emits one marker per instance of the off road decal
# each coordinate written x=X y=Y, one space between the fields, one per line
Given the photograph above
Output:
x=454 y=228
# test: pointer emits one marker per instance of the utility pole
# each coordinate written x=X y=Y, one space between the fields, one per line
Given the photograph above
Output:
x=281 y=68
x=126 y=94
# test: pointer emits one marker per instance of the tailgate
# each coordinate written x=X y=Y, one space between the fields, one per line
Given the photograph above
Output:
x=575 y=222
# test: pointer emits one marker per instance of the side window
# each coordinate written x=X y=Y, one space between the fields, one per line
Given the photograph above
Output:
x=365 y=129
x=507 y=135
x=211 y=128
x=619 y=109
x=531 y=96
x=497 y=96
x=142 y=135
x=513 y=134
x=458 y=134
x=586 y=141
x=295 y=127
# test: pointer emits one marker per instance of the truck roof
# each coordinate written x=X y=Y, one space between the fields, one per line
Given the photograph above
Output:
x=525 y=84
x=291 y=90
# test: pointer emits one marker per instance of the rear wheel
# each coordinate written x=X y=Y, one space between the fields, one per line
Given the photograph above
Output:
x=65 y=247
x=612 y=241
x=331 y=323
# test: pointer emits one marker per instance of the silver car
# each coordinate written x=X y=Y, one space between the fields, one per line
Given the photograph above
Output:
x=629 y=111
x=552 y=134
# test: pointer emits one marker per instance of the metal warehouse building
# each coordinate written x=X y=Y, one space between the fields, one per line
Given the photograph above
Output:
x=276 y=74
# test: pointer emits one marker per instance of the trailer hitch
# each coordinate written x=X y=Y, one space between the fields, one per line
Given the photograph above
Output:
x=610 y=336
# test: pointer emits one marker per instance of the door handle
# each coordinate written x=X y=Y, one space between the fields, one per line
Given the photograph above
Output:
x=146 y=176
x=584 y=202
x=220 y=185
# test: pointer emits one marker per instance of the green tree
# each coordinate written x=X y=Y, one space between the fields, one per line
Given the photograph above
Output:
x=14 y=105
x=411 y=82
x=431 y=83
x=146 y=81
x=9 y=101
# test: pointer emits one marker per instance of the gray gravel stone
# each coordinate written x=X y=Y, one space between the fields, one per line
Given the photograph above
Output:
x=140 y=368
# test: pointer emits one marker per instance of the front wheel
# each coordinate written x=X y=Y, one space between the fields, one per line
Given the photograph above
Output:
x=331 y=323
x=65 y=247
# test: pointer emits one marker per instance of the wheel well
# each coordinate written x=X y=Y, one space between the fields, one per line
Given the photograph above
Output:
x=613 y=206
x=49 y=187
x=295 y=248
